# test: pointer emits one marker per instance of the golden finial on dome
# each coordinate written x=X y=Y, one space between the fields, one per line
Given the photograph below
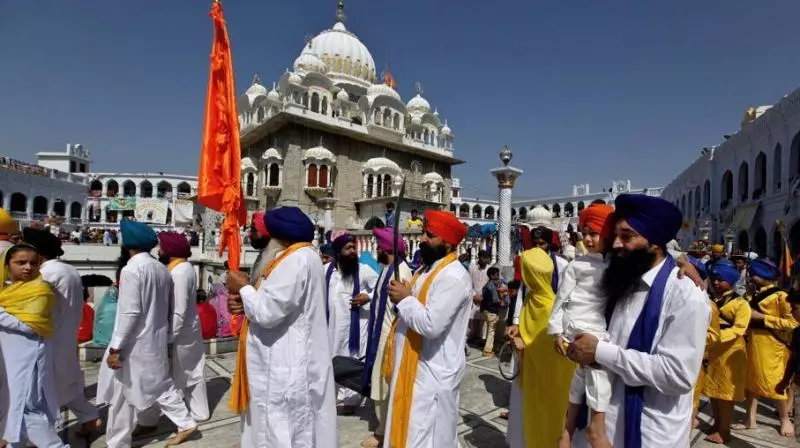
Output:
x=340 y=17
x=749 y=116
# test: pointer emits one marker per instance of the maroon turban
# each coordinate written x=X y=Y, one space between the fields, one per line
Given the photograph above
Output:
x=174 y=244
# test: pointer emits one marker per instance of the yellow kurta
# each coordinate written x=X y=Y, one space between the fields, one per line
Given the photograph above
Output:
x=767 y=356
x=712 y=337
x=727 y=360
x=545 y=375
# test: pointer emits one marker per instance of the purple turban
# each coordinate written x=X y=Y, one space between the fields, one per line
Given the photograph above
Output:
x=341 y=241
x=654 y=218
x=289 y=224
x=174 y=244
x=764 y=268
x=385 y=238
x=725 y=270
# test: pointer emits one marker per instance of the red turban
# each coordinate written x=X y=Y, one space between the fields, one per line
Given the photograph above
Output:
x=599 y=218
x=260 y=224
x=445 y=225
x=174 y=244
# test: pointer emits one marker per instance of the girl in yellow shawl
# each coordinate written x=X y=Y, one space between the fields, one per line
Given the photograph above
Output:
x=26 y=305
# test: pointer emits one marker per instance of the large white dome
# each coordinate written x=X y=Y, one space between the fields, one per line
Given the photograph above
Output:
x=344 y=55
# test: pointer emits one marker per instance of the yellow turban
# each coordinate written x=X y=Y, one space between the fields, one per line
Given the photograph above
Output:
x=8 y=224
x=718 y=248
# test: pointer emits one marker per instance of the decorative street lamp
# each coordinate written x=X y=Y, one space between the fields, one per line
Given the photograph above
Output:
x=506 y=176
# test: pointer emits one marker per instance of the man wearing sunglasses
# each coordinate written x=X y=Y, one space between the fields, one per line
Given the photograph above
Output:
x=428 y=342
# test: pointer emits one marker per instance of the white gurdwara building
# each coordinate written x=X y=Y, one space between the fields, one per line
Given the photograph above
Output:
x=745 y=189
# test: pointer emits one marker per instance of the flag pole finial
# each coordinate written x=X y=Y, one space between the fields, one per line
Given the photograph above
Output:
x=340 y=17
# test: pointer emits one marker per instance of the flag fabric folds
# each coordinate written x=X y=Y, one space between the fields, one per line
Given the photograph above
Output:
x=219 y=178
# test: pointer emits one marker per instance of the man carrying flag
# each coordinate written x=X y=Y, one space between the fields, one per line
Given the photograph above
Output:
x=381 y=318
x=284 y=385
x=425 y=353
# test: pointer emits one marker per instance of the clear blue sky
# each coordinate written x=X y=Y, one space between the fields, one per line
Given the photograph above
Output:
x=584 y=91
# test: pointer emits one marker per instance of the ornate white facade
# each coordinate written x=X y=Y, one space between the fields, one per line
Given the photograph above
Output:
x=739 y=190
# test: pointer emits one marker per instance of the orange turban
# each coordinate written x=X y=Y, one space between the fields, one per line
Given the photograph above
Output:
x=599 y=218
x=445 y=225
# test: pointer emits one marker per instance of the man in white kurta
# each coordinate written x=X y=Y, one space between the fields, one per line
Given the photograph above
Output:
x=668 y=371
x=442 y=324
x=288 y=359
x=135 y=373
x=68 y=289
x=341 y=293
x=188 y=350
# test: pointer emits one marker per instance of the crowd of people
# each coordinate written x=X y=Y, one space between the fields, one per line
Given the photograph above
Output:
x=615 y=347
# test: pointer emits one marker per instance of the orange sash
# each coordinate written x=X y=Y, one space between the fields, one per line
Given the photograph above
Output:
x=240 y=389
x=404 y=386
x=174 y=262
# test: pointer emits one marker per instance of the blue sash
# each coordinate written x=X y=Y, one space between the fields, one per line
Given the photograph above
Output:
x=375 y=326
x=641 y=339
x=554 y=280
x=355 y=328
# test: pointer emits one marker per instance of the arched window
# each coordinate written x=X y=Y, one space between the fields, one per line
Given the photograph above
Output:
x=489 y=212
x=377 y=117
x=128 y=188
x=523 y=213
x=761 y=176
x=250 y=184
x=164 y=190
x=273 y=175
x=707 y=194
x=396 y=122
x=557 y=210
x=760 y=241
x=323 y=176
x=689 y=205
x=311 y=177
x=697 y=200
x=477 y=211
x=261 y=114
x=379 y=186
x=75 y=210
x=95 y=188
x=683 y=205
x=60 y=207
x=387 y=185
x=40 y=205
x=569 y=210
x=387 y=117
x=581 y=206
x=794 y=159
x=463 y=211
x=184 y=189
x=305 y=99
x=146 y=189
x=425 y=136
x=325 y=105
x=546 y=207
x=111 y=215
x=727 y=189
x=112 y=188
x=315 y=102
x=370 y=184
x=777 y=168
x=453 y=208
x=744 y=181
x=19 y=203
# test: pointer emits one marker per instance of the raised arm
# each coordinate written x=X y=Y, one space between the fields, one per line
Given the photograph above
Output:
x=129 y=308
x=279 y=296
x=673 y=366
x=451 y=292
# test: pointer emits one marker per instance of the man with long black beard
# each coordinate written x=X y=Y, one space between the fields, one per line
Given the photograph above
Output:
x=349 y=288
x=658 y=328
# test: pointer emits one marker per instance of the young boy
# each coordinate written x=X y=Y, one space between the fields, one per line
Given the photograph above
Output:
x=580 y=307
x=793 y=367
x=495 y=298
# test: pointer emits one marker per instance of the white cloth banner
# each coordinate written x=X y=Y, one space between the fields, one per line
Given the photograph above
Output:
x=152 y=210
x=183 y=211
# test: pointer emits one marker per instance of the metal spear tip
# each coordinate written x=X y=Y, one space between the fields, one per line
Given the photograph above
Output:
x=506 y=154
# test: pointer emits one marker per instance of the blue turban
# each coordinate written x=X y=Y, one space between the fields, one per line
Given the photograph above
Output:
x=701 y=268
x=327 y=249
x=289 y=224
x=726 y=271
x=137 y=235
x=764 y=268
x=341 y=241
x=654 y=218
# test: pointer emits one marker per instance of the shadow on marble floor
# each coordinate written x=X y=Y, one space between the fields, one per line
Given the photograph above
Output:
x=498 y=388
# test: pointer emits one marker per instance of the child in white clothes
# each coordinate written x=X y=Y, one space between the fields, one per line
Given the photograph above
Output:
x=580 y=307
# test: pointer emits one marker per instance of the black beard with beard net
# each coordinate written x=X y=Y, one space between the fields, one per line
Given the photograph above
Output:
x=383 y=258
x=624 y=272
x=259 y=242
x=431 y=254
x=348 y=265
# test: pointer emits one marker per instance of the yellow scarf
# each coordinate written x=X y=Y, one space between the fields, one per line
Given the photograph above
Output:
x=31 y=302
x=404 y=386
x=174 y=262
x=240 y=389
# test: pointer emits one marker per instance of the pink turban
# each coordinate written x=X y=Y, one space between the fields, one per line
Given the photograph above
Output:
x=174 y=244
x=385 y=238
x=260 y=224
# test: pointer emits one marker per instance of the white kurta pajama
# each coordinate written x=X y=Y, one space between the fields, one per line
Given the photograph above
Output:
x=141 y=331
x=188 y=351
x=442 y=323
x=379 y=391
x=68 y=289
x=340 y=293
x=668 y=373
x=33 y=409
x=290 y=374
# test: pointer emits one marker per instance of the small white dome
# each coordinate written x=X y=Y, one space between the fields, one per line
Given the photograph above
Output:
x=319 y=153
x=272 y=153
x=540 y=216
x=382 y=90
x=436 y=113
x=446 y=129
x=343 y=95
x=248 y=165
x=418 y=103
x=416 y=119
x=294 y=78
x=434 y=178
x=256 y=89
x=308 y=61
x=381 y=163
x=273 y=94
